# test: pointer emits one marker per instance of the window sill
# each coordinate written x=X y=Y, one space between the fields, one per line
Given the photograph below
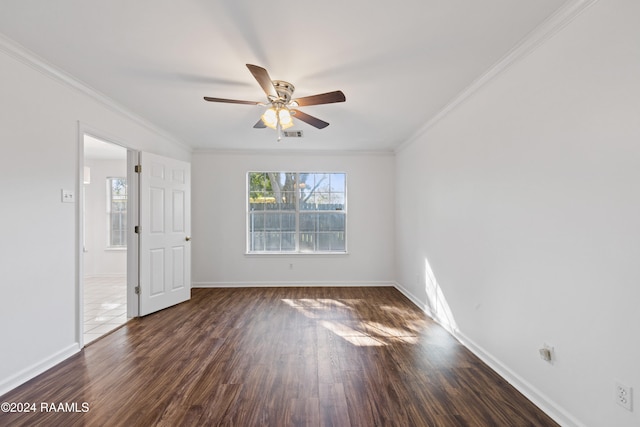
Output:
x=279 y=254
x=119 y=249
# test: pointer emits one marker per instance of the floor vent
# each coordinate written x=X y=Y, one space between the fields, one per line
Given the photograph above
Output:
x=293 y=134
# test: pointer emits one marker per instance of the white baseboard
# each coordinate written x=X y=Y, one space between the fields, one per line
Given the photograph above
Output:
x=105 y=275
x=37 y=368
x=415 y=300
x=538 y=398
x=285 y=284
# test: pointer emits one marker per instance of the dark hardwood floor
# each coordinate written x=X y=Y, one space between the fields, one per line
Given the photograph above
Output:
x=277 y=357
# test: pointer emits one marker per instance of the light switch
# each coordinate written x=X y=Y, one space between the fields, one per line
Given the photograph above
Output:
x=68 y=196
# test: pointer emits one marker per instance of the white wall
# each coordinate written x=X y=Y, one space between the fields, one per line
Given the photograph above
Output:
x=525 y=202
x=219 y=225
x=39 y=121
x=99 y=259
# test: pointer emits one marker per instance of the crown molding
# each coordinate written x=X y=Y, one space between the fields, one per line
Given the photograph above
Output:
x=37 y=63
x=543 y=32
x=292 y=152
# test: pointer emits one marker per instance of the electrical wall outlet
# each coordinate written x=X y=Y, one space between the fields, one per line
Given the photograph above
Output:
x=624 y=396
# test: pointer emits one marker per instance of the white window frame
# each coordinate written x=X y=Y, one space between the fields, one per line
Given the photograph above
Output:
x=296 y=212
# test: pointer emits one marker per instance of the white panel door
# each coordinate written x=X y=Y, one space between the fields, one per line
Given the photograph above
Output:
x=165 y=227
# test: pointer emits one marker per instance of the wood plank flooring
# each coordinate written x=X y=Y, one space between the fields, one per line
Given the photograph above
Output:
x=277 y=357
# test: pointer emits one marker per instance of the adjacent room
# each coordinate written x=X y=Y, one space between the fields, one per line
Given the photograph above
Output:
x=104 y=248
x=345 y=213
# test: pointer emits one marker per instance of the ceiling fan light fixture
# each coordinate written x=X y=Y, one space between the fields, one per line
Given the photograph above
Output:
x=285 y=118
x=270 y=118
x=277 y=116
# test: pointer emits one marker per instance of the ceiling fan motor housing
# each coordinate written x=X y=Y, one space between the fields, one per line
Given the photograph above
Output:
x=284 y=89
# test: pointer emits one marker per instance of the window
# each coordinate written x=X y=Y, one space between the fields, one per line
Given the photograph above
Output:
x=117 y=212
x=296 y=212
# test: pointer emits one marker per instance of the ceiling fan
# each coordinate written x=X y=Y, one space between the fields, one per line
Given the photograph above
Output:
x=281 y=106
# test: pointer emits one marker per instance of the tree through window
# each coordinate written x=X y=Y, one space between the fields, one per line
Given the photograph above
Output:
x=296 y=212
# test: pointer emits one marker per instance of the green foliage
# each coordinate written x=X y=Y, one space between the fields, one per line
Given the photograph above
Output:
x=260 y=182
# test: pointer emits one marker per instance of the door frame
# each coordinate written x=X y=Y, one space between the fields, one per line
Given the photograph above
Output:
x=132 y=220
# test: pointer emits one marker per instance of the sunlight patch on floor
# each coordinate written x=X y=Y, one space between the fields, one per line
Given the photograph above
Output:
x=364 y=334
x=351 y=335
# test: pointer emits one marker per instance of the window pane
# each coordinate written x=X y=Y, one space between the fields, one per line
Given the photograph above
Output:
x=256 y=241
x=256 y=221
x=307 y=242
x=272 y=222
x=337 y=241
x=288 y=222
x=333 y=241
x=306 y=181
x=321 y=182
x=258 y=182
x=324 y=242
x=322 y=199
x=337 y=201
x=271 y=205
x=288 y=201
x=331 y=222
x=337 y=182
x=308 y=204
x=308 y=222
x=289 y=241
x=117 y=188
x=278 y=178
x=272 y=241
x=256 y=200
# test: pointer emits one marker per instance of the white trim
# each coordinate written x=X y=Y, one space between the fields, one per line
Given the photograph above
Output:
x=133 y=239
x=538 y=398
x=107 y=275
x=547 y=405
x=37 y=63
x=284 y=152
x=38 y=368
x=289 y=284
x=415 y=300
x=79 y=249
x=543 y=32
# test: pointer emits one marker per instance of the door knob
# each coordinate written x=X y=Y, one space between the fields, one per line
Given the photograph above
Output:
x=187 y=238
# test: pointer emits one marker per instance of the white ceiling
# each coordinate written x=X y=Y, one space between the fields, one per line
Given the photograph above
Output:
x=399 y=63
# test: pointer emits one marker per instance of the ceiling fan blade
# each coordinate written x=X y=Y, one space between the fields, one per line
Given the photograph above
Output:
x=259 y=125
x=231 y=101
x=323 y=98
x=313 y=121
x=262 y=76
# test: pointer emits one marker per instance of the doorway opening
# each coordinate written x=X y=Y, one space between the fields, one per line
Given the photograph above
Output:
x=104 y=248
